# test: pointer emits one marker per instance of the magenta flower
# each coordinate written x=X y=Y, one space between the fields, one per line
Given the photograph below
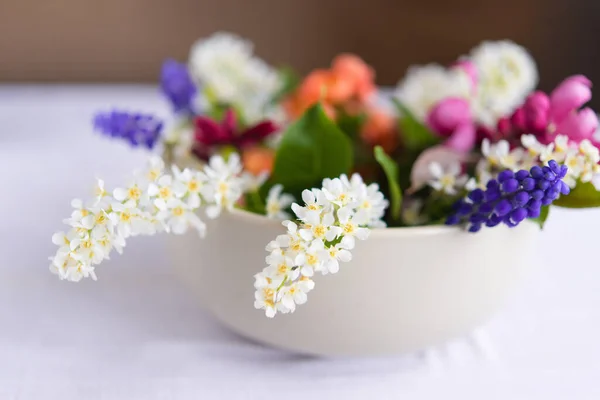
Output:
x=560 y=113
x=451 y=119
x=210 y=135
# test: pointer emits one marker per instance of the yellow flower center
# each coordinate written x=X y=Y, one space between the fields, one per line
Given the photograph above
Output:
x=268 y=294
x=343 y=197
x=125 y=217
x=282 y=269
x=312 y=207
x=153 y=174
x=193 y=185
x=134 y=193
x=311 y=259
x=100 y=219
x=348 y=228
x=84 y=212
x=223 y=187
x=164 y=193
x=273 y=208
x=178 y=211
x=333 y=252
x=319 y=231
x=447 y=181
x=296 y=246
x=86 y=244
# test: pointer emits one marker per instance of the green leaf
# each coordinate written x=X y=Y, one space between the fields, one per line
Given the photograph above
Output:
x=415 y=135
x=584 y=195
x=541 y=220
x=311 y=149
x=350 y=124
x=391 y=172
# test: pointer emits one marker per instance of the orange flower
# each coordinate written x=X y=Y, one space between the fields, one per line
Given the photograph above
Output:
x=349 y=80
x=354 y=70
x=258 y=159
x=380 y=130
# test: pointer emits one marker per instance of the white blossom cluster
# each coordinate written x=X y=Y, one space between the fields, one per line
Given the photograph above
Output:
x=225 y=67
x=450 y=180
x=581 y=158
x=154 y=201
x=328 y=224
x=424 y=86
x=505 y=73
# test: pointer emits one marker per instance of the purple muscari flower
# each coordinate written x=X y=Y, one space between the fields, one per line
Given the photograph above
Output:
x=177 y=85
x=511 y=197
x=137 y=129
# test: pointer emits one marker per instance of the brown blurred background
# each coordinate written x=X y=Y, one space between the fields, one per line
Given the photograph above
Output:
x=126 y=40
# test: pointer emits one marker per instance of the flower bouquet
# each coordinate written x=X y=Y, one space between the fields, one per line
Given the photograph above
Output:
x=410 y=187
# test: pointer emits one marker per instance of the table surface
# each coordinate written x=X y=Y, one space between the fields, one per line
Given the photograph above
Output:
x=138 y=334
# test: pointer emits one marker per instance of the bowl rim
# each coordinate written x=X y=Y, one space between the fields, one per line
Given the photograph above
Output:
x=254 y=218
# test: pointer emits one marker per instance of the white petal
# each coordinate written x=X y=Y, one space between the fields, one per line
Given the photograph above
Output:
x=436 y=170
x=344 y=255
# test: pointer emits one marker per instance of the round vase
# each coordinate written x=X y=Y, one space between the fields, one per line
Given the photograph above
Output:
x=405 y=289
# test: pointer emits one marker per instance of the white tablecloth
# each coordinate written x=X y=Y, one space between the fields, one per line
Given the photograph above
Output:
x=138 y=334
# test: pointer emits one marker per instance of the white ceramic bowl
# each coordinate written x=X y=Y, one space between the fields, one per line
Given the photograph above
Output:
x=405 y=289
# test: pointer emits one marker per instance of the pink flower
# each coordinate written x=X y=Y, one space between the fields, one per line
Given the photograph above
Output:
x=451 y=118
x=560 y=113
x=571 y=94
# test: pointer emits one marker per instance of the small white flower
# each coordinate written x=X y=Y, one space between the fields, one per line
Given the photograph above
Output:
x=589 y=151
x=179 y=216
x=424 y=86
x=253 y=182
x=312 y=258
x=281 y=268
x=264 y=298
x=319 y=226
x=506 y=75
x=192 y=181
x=134 y=192
x=575 y=162
x=154 y=170
x=102 y=198
x=293 y=294
x=351 y=227
x=278 y=245
x=499 y=155
x=447 y=181
x=277 y=202
x=531 y=143
x=336 y=192
x=77 y=271
x=314 y=200
x=223 y=185
x=335 y=254
x=296 y=243
x=373 y=204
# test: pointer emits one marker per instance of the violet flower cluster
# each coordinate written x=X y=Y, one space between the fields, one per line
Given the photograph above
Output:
x=511 y=198
x=177 y=86
x=138 y=129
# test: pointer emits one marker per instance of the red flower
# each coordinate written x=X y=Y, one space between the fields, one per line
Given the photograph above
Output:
x=210 y=135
